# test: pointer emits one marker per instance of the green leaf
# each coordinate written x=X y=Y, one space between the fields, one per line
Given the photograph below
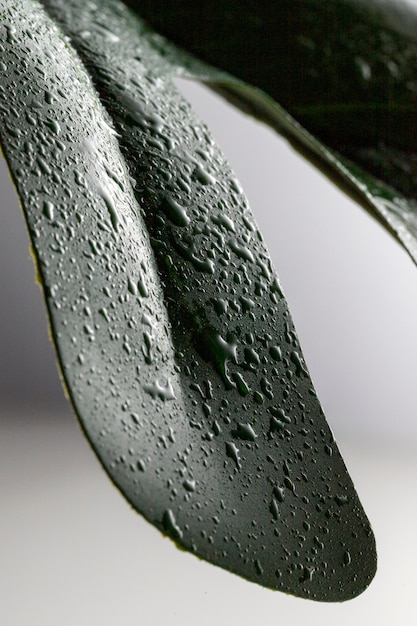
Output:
x=174 y=338
x=345 y=70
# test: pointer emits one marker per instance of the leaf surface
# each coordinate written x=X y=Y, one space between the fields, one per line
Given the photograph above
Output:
x=344 y=70
x=173 y=334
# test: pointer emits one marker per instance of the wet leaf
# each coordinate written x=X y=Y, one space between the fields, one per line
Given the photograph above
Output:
x=175 y=342
x=345 y=70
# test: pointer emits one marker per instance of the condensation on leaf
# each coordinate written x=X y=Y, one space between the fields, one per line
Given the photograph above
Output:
x=174 y=338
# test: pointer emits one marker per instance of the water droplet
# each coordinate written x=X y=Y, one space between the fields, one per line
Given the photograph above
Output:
x=147 y=348
x=213 y=348
x=232 y=451
x=106 y=33
x=341 y=500
x=276 y=353
x=364 y=67
x=276 y=288
x=138 y=286
x=143 y=290
x=241 y=251
x=171 y=526
x=328 y=450
x=53 y=126
x=220 y=305
x=247 y=303
x=203 y=177
x=48 y=210
x=224 y=220
x=241 y=384
x=132 y=287
x=289 y=484
x=43 y=166
x=175 y=212
x=279 y=419
x=307 y=575
x=159 y=391
x=245 y=431
x=136 y=113
x=274 y=508
x=300 y=368
x=251 y=358
x=110 y=205
x=189 y=254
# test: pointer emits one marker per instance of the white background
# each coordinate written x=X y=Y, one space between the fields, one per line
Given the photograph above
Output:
x=71 y=550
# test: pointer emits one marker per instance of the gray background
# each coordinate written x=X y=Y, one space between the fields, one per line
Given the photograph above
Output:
x=73 y=553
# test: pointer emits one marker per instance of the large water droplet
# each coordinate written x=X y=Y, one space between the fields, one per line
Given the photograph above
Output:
x=171 y=526
x=245 y=431
x=175 y=212
x=232 y=451
x=164 y=393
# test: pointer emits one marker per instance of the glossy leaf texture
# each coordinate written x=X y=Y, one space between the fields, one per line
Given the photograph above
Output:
x=173 y=334
x=345 y=70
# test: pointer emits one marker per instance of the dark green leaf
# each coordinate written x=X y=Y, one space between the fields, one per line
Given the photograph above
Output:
x=174 y=338
x=344 y=69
